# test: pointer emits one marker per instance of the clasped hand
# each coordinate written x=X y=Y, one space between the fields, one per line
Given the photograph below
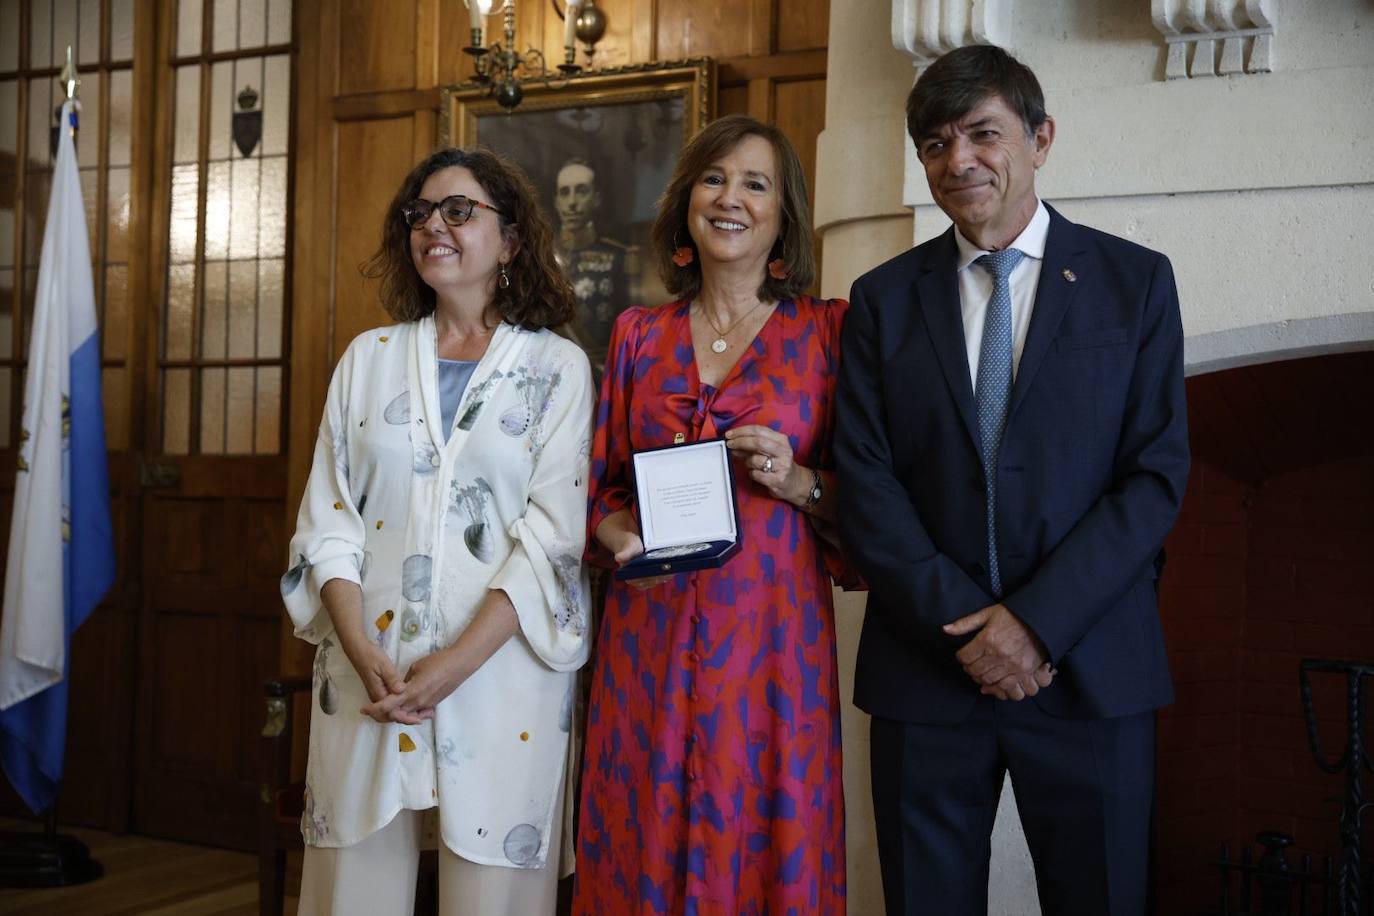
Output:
x=1006 y=659
x=409 y=700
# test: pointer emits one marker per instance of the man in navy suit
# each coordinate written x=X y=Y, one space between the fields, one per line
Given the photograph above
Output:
x=1012 y=447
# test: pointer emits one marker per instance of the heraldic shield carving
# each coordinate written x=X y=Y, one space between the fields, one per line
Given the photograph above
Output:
x=247 y=122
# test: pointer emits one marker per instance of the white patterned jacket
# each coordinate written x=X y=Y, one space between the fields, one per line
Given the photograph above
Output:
x=427 y=527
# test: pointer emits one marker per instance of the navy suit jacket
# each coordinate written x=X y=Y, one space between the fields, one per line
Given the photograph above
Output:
x=1092 y=470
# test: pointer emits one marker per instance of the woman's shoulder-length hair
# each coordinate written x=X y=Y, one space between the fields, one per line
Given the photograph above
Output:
x=538 y=295
x=794 y=245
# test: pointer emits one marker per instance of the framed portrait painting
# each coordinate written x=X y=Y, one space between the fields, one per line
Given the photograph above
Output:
x=600 y=149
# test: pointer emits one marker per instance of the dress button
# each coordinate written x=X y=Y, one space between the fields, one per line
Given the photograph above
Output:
x=434 y=461
x=696 y=618
x=691 y=775
x=693 y=657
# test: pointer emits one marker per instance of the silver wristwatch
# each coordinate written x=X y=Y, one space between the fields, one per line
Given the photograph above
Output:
x=814 y=496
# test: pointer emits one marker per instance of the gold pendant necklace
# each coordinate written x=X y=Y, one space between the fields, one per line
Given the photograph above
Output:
x=719 y=345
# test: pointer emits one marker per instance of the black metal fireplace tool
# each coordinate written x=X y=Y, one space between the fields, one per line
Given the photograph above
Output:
x=1353 y=762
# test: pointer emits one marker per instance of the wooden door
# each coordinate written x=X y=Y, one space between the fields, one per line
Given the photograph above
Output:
x=214 y=474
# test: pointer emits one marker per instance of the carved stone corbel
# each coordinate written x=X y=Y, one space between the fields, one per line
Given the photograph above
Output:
x=925 y=29
x=1194 y=29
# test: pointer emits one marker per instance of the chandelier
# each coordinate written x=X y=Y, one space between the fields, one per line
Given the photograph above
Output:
x=505 y=71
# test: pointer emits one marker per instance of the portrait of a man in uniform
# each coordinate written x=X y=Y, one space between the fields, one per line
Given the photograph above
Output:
x=599 y=169
x=602 y=269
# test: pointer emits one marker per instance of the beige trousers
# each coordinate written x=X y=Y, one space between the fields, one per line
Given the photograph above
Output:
x=376 y=877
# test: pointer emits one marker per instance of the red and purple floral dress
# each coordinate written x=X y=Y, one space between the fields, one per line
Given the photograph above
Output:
x=712 y=780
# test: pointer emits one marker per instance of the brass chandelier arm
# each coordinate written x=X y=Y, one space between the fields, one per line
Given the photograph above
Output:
x=506 y=70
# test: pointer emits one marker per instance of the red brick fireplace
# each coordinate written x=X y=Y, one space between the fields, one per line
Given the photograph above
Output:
x=1272 y=561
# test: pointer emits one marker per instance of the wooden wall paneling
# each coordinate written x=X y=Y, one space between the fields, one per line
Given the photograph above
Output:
x=799 y=111
x=762 y=27
x=802 y=24
x=427 y=25
x=376 y=45
x=760 y=95
x=426 y=70
x=689 y=28
x=373 y=158
x=427 y=43
x=312 y=274
x=643 y=29
x=732 y=100
x=217 y=550
x=532 y=30
x=424 y=131
x=98 y=716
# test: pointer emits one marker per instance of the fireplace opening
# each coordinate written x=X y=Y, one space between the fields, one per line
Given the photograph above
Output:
x=1271 y=563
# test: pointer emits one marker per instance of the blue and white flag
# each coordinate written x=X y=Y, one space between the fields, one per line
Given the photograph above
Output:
x=61 y=559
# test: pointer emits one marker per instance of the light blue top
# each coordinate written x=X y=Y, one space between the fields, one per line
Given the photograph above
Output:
x=454 y=375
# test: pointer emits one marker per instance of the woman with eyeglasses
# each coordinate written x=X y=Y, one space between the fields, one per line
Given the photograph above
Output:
x=437 y=560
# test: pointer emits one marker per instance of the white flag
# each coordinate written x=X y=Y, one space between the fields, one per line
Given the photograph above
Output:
x=61 y=556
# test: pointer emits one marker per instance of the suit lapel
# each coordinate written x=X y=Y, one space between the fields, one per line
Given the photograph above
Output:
x=1053 y=296
x=937 y=290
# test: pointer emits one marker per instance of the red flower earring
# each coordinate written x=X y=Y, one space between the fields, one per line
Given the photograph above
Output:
x=683 y=256
x=777 y=270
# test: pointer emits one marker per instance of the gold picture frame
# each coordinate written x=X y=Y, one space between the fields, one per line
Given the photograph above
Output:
x=693 y=80
x=613 y=136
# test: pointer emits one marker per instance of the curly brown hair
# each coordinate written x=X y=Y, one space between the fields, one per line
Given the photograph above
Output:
x=794 y=244
x=539 y=295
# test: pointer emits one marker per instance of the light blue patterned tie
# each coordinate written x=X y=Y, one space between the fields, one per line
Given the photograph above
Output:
x=993 y=389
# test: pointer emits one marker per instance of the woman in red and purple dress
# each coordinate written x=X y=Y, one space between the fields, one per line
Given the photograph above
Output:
x=712 y=780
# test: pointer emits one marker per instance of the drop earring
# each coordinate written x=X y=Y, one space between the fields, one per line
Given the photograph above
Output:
x=503 y=280
x=777 y=269
x=682 y=254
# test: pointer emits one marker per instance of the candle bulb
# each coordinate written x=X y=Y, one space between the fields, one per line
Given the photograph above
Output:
x=570 y=24
x=476 y=12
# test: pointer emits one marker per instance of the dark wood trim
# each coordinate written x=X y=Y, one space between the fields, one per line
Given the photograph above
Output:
x=392 y=103
x=788 y=65
x=312 y=277
x=22 y=363
x=40 y=72
x=215 y=57
x=21 y=197
x=288 y=289
x=245 y=362
x=202 y=192
x=156 y=123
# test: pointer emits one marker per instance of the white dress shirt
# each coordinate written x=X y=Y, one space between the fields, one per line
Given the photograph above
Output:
x=975 y=289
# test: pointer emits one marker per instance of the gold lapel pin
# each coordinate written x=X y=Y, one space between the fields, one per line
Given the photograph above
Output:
x=679 y=438
x=1070 y=275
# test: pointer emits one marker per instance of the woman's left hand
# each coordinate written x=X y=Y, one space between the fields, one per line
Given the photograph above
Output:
x=768 y=455
x=428 y=681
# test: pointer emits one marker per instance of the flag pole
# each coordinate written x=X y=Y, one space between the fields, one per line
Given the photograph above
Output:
x=71 y=85
x=50 y=859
